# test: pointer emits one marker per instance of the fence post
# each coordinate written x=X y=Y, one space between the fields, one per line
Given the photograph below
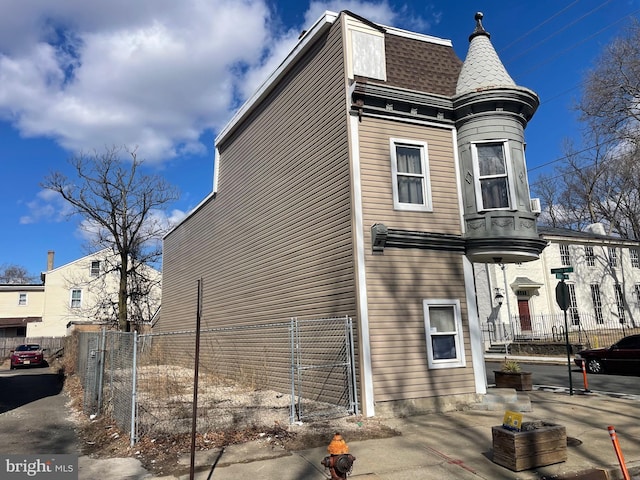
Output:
x=101 y=367
x=133 y=389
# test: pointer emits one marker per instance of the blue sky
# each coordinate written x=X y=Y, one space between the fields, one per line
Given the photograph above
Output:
x=165 y=76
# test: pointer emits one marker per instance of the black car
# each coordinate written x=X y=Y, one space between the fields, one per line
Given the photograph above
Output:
x=621 y=357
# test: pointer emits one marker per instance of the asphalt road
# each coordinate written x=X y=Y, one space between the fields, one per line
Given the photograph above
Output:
x=558 y=376
x=33 y=413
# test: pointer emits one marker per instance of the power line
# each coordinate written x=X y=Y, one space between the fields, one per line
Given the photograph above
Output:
x=579 y=19
x=544 y=22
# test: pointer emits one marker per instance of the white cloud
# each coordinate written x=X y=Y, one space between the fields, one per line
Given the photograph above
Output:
x=151 y=73
x=47 y=206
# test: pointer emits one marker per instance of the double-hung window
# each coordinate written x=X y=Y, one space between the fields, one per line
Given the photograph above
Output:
x=565 y=258
x=95 y=268
x=76 y=298
x=613 y=257
x=22 y=299
x=492 y=169
x=410 y=170
x=596 y=298
x=443 y=328
x=635 y=258
x=589 y=256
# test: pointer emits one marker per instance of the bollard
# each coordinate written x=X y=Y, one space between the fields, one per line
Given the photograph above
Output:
x=616 y=447
x=584 y=376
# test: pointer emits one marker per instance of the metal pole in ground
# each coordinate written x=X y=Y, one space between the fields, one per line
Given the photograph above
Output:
x=194 y=415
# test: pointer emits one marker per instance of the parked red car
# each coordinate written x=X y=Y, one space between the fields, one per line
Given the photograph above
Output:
x=621 y=357
x=27 y=355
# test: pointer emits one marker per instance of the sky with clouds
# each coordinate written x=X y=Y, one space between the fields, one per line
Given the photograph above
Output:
x=166 y=75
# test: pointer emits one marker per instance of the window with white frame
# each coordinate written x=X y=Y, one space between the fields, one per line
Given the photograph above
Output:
x=636 y=292
x=410 y=170
x=573 y=305
x=443 y=329
x=22 y=298
x=565 y=259
x=635 y=258
x=589 y=256
x=95 y=268
x=492 y=166
x=613 y=257
x=76 y=298
x=596 y=298
x=620 y=303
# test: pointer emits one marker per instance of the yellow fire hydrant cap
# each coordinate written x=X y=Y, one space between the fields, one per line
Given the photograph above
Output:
x=338 y=446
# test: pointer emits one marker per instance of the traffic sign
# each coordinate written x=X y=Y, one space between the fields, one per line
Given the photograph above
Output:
x=562 y=296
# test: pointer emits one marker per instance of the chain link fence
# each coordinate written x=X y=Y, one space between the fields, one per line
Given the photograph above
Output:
x=249 y=376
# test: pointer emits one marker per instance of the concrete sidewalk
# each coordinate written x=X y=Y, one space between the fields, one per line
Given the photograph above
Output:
x=454 y=445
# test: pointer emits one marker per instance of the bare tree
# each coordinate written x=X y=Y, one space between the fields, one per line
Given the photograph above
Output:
x=15 y=274
x=601 y=183
x=118 y=204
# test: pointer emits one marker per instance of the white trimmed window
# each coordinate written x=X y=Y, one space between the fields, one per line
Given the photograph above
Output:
x=443 y=329
x=613 y=257
x=410 y=170
x=565 y=258
x=95 y=268
x=492 y=171
x=635 y=258
x=22 y=299
x=76 y=298
x=589 y=256
x=596 y=298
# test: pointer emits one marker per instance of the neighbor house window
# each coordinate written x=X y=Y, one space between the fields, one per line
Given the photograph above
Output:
x=95 y=268
x=635 y=258
x=613 y=257
x=22 y=299
x=76 y=298
x=491 y=165
x=573 y=305
x=410 y=169
x=597 y=302
x=564 y=254
x=589 y=256
x=620 y=303
x=443 y=328
x=636 y=292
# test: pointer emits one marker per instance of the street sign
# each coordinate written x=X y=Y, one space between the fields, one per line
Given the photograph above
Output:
x=562 y=296
x=562 y=270
x=562 y=276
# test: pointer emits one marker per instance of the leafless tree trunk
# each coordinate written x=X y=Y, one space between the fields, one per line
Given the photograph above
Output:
x=117 y=202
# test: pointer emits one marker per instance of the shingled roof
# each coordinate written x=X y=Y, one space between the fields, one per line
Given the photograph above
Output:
x=422 y=66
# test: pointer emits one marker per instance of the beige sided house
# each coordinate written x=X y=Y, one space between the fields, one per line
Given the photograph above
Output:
x=364 y=178
x=77 y=293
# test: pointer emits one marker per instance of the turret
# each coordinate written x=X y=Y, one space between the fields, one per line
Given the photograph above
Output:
x=491 y=113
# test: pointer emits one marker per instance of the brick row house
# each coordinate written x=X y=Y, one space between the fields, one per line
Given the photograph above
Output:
x=364 y=178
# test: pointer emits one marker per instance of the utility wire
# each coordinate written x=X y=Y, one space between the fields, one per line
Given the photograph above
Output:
x=544 y=22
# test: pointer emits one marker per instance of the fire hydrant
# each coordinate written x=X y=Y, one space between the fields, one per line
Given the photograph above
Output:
x=340 y=461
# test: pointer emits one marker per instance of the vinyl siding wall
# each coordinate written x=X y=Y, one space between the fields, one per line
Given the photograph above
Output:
x=400 y=279
x=276 y=241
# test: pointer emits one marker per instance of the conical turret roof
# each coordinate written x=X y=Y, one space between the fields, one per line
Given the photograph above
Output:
x=482 y=69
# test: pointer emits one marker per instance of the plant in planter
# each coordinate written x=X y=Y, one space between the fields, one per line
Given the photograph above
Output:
x=512 y=376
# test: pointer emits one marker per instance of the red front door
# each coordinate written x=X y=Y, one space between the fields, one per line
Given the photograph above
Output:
x=525 y=315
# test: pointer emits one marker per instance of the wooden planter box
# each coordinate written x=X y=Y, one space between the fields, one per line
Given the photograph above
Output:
x=545 y=444
x=520 y=381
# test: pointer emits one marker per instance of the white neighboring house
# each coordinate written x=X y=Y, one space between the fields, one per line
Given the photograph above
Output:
x=519 y=300
x=73 y=294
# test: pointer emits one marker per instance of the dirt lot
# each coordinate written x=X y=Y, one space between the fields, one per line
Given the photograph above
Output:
x=160 y=448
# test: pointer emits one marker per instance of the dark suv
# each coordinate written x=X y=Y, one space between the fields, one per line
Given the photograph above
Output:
x=27 y=355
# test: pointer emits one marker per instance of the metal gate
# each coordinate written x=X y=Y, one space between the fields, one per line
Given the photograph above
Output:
x=323 y=381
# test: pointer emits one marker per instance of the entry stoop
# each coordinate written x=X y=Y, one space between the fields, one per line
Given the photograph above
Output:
x=502 y=399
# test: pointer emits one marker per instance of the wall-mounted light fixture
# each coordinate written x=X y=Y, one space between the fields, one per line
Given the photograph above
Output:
x=499 y=298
